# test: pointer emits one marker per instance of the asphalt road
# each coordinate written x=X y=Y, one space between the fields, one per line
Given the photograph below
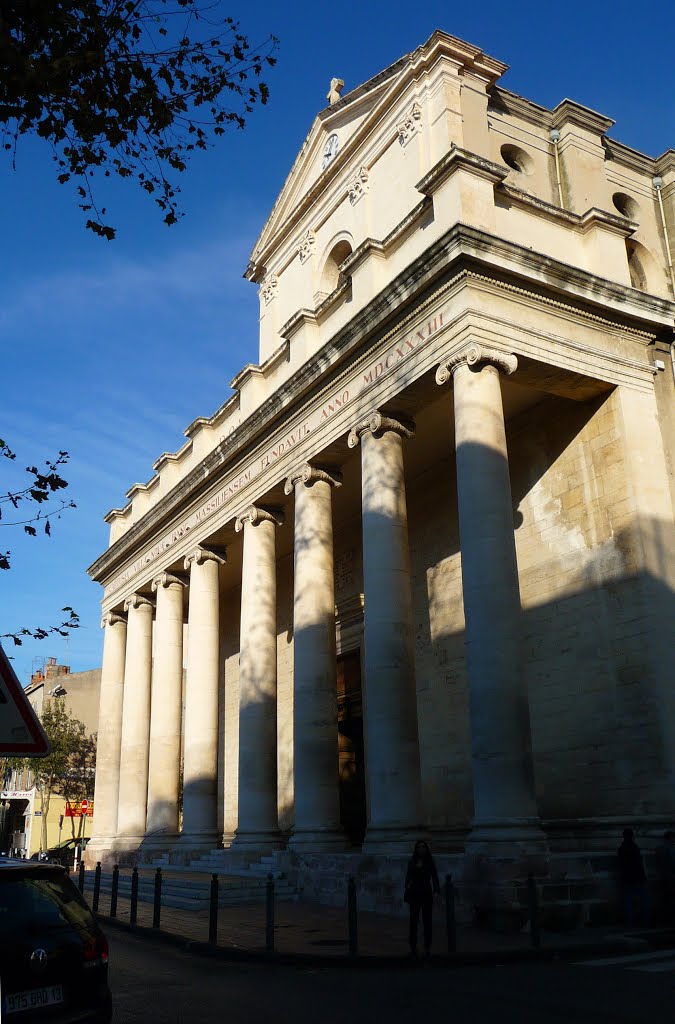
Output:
x=163 y=985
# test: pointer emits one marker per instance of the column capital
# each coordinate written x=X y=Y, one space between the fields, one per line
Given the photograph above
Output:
x=112 y=619
x=138 y=601
x=377 y=423
x=308 y=475
x=254 y=515
x=165 y=579
x=476 y=355
x=201 y=555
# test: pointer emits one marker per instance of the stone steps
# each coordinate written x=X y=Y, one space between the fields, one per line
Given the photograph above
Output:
x=192 y=894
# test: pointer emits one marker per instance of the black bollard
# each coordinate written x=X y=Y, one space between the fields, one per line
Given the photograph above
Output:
x=533 y=907
x=269 y=914
x=133 y=910
x=213 y=911
x=81 y=881
x=157 y=906
x=114 y=889
x=352 y=918
x=97 y=886
x=450 y=923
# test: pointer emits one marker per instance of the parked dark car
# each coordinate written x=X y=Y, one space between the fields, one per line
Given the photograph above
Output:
x=53 y=954
x=64 y=852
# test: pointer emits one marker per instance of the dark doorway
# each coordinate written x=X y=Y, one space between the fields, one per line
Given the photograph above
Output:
x=350 y=741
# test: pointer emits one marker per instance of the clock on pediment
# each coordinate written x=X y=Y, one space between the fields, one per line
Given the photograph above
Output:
x=329 y=150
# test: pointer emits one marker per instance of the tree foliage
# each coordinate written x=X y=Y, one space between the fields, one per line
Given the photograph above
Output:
x=129 y=88
x=41 y=486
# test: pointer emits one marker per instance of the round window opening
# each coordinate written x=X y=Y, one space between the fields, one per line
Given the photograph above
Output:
x=626 y=205
x=516 y=158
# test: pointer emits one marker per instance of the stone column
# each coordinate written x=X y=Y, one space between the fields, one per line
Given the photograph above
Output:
x=200 y=747
x=315 y=732
x=132 y=807
x=392 y=744
x=258 y=822
x=107 y=787
x=165 y=713
x=504 y=804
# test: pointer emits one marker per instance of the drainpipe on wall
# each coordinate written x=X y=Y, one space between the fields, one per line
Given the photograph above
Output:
x=554 y=135
x=657 y=182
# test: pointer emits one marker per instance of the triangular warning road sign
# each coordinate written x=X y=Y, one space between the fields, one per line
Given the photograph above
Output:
x=21 y=734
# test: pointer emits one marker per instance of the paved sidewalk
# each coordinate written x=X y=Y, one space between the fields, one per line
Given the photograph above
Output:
x=318 y=933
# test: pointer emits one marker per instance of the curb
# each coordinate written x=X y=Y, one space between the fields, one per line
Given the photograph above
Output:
x=486 y=958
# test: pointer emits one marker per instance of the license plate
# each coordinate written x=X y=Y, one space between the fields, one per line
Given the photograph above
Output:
x=32 y=998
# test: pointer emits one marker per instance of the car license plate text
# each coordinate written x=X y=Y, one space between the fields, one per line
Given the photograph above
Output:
x=50 y=995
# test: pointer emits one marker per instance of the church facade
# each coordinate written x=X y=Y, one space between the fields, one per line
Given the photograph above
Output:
x=416 y=575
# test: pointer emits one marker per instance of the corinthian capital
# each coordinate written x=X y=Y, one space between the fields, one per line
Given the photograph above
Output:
x=476 y=355
x=255 y=515
x=200 y=555
x=379 y=424
x=138 y=601
x=112 y=619
x=165 y=579
x=308 y=475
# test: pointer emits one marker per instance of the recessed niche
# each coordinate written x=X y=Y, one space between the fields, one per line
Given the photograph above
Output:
x=516 y=158
x=626 y=205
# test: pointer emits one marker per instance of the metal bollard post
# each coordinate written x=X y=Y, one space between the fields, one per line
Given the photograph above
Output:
x=133 y=911
x=157 y=906
x=97 y=886
x=114 y=889
x=533 y=907
x=450 y=923
x=352 y=918
x=269 y=914
x=213 y=911
x=81 y=881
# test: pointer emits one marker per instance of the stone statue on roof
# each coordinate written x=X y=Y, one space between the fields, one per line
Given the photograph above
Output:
x=336 y=86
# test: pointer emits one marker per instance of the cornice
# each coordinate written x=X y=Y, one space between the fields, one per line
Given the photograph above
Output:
x=460 y=159
x=570 y=112
x=467 y=250
x=626 y=156
x=518 y=106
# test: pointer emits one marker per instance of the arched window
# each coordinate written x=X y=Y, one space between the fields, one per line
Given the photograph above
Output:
x=330 y=275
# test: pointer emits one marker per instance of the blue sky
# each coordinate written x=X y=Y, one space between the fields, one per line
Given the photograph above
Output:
x=109 y=350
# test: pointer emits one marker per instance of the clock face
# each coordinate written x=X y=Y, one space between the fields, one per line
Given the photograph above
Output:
x=329 y=151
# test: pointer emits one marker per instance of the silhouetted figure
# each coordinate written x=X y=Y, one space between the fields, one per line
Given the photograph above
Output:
x=421 y=882
x=633 y=880
x=665 y=869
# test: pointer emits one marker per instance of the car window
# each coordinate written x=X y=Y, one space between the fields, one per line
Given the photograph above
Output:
x=30 y=904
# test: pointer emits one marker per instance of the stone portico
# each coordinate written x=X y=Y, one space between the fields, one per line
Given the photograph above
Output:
x=417 y=572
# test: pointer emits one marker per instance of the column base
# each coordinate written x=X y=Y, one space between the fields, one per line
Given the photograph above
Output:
x=317 y=840
x=506 y=837
x=394 y=839
x=210 y=840
x=253 y=840
x=100 y=848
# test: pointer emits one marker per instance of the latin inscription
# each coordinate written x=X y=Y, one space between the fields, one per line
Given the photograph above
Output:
x=366 y=378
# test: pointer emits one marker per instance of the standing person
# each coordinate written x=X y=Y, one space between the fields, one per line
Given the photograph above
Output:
x=665 y=869
x=421 y=882
x=633 y=879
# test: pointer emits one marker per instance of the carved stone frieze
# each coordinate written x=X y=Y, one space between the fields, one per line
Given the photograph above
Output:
x=306 y=246
x=112 y=619
x=138 y=601
x=254 y=515
x=308 y=475
x=476 y=355
x=269 y=288
x=410 y=126
x=200 y=555
x=377 y=423
x=165 y=579
x=358 y=186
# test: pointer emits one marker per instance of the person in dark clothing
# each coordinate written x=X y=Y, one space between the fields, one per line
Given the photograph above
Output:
x=633 y=879
x=421 y=882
